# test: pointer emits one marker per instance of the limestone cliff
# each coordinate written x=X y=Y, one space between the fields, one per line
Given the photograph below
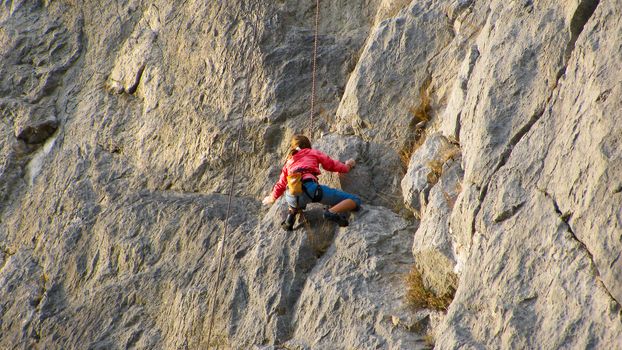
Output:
x=489 y=155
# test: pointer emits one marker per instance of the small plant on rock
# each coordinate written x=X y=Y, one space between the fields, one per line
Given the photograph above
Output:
x=436 y=165
x=421 y=115
x=429 y=340
x=419 y=296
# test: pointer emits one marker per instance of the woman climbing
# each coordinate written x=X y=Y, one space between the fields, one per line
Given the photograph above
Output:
x=299 y=177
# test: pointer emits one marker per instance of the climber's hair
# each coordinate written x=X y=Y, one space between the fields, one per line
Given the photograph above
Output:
x=299 y=142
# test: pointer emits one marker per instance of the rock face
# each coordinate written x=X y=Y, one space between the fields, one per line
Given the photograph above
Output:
x=489 y=157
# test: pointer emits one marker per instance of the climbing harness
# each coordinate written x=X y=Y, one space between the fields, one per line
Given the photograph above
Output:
x=317 y=194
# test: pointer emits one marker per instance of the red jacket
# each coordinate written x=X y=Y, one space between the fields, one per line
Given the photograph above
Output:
x=308 y=159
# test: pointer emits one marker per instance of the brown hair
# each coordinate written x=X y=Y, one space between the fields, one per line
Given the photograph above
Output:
x=299 y=141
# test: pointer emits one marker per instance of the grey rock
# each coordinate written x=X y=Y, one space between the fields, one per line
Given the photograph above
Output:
x=119 y=137
x=381 y=92
x=450 y=120
x=364 y=264
x=376 y=174
x=434 y=243
x=550 y=269
x=461 y=223
x=421 y=174
x=511 y=89
x=539 y=266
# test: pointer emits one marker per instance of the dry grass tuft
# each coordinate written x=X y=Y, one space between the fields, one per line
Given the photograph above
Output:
x=436 y=170
x=451 y=201
x=429 y=340
x=419 y=296
x=322 y=238
x=421 y=115
x=422 y=112
x=411 y=146
x=458 y=187
x=321 y=233
x=436 y=165
x=218 y=341
x=395 y=202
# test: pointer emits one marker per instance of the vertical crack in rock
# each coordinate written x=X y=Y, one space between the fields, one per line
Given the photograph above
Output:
x=291 y=293
x=482 y=194
x=132 y=89
x=582 y=14
x=565 y=217
x=42 y=290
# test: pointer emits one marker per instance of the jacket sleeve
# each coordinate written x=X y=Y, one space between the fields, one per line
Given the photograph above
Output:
x=330 y=164
x=281 y=185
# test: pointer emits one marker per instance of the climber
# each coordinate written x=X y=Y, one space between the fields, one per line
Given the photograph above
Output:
x=299 y=177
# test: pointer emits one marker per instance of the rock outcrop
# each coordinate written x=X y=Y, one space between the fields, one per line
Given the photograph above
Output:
x=489 y=159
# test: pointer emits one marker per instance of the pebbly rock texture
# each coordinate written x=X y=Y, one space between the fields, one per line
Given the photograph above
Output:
x=37 y=50
x=488 y=156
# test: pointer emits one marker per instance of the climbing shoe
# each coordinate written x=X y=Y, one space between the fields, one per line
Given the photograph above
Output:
x=340 y=219
x=288 y=224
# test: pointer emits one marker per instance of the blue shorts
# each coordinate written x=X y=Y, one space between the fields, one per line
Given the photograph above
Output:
x=330 y=196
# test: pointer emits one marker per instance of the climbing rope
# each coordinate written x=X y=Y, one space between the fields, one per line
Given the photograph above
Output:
x=314 y=65
x=224 y=234
x=232 y=177
x=301 y=215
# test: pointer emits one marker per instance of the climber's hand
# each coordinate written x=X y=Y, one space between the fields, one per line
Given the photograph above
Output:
x=268 y=200
x=350 y=163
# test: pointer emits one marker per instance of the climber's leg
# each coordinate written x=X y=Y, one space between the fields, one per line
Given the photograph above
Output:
x=345 y=205
x=340 y=203
x=296 y=204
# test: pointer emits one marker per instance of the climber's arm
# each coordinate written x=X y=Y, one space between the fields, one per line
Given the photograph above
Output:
x=334 y=165
x=278 y=189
